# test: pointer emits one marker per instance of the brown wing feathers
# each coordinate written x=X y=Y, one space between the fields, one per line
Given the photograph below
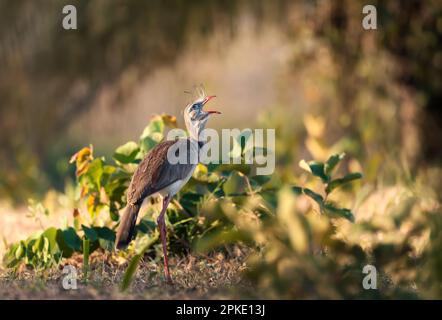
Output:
x=145 y=179
x=152 y=174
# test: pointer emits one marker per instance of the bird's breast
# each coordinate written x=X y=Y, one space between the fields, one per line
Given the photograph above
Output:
x=173 y=188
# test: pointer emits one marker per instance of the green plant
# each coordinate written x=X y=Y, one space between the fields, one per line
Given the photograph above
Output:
x=324 y=171
x=102 y=184
x=45 y=249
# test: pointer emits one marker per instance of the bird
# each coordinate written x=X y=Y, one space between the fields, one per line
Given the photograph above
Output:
x=155 y=174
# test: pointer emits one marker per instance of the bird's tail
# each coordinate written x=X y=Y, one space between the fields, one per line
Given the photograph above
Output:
x=126 y=228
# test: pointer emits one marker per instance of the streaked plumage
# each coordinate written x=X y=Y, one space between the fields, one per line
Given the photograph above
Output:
x=155 y=174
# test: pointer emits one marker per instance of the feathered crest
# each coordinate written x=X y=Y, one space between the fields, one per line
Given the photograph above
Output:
x=198 y=92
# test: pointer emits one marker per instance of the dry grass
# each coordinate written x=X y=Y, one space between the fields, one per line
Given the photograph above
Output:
x=195 y=277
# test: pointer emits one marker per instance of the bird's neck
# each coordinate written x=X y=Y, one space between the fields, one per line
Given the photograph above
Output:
x=195 y=130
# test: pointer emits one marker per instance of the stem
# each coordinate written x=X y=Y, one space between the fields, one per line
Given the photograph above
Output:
x=86 y=247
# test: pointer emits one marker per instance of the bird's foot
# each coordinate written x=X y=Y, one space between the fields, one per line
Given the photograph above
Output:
x=169 y=280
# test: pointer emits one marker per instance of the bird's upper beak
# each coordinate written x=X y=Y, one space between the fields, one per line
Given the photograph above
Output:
x=207 y=99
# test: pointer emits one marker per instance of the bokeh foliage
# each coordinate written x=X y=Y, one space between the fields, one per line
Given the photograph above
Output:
x=304 y=243
x=387 y=81
x=374 y=95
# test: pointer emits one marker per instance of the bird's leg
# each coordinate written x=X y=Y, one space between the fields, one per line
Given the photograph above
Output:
x=163 y=234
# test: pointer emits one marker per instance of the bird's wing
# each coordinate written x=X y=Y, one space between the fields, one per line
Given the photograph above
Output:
x=155 y=172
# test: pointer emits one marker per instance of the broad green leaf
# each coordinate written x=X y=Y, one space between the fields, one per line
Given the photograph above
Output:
x=315 y=168
x=334 y=211
x=315 y=196
x=152 y=134
x=105 y=233
x=106 y=244
x=65 y=249
x=90 y=233
x=146 y=225
x=51 y=235
x=127 y=153
x=130 y=271
x=336 y=183
x=156 y=125
x=133 y=264
x=189 y=201
x=147 y=144
x=117 y=185
x=106 y=238
x=38 y=245
x=20 y=251
x=109 y=170
x=259 y=181
x=332 y=162
x=95 y=171
x=72 y=239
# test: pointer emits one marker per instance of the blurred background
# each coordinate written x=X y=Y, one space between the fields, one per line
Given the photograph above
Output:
x=306 y=68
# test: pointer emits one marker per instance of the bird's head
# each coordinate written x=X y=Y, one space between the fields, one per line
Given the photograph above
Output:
x=195 y=116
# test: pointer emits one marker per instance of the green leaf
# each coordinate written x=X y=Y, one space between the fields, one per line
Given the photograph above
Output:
x=127 y=153
x=341 y=181
x=133 y=265
x=152 y=134
x=333 y=211
x=315 y=168
x=90 y=233
x=146 y=225
x=95 y=171
x=156 y=125
x=332 y=162
x=315 y=196
x=37 y=245
x=106 y=238
x=259 y=181
x=20 y=251
x=147 y=144
x=189 y=201
x=51 y=235
x=113 y=212
x=105 y=233
x=130 y=271
x=64 y=247
x=72 y=239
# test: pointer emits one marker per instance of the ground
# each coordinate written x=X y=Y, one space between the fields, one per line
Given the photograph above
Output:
x=195 y=277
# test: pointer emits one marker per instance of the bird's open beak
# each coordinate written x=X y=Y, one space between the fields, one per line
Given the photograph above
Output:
x=207 y=99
